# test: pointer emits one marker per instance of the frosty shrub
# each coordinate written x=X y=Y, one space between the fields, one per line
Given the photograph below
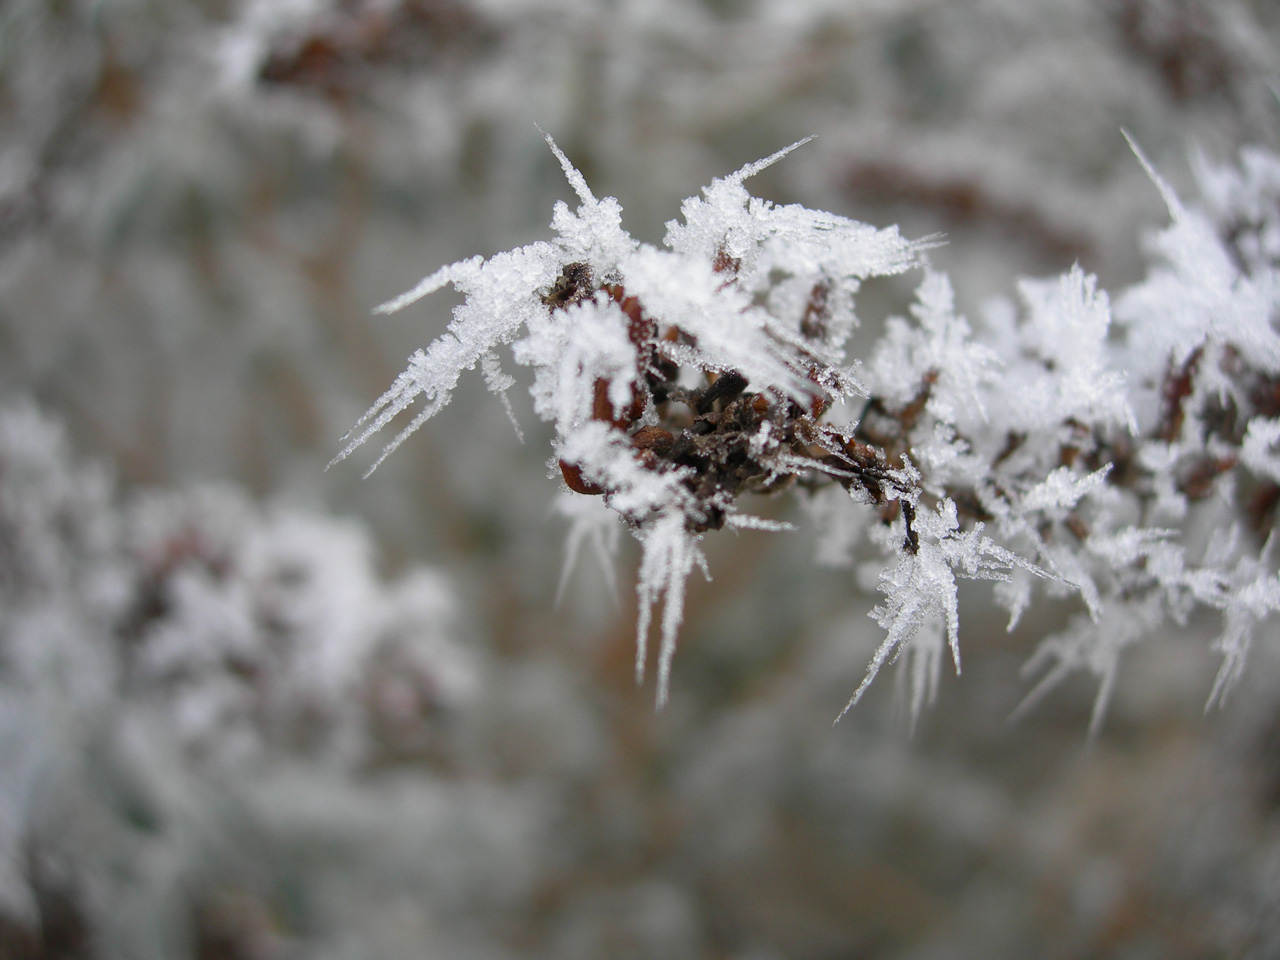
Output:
x=1124 y=456
x=161 y=657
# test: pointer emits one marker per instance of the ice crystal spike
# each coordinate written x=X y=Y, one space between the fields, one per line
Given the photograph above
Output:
x=679 y=379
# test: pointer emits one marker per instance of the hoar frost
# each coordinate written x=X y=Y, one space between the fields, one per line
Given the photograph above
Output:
x=1055 y=441
x=677 y=379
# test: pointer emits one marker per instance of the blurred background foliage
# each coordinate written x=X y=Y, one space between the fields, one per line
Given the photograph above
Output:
x=201 y=200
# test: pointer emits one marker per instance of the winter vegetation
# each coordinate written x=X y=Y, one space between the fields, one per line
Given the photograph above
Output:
x=1125 y=458
x=983 y=463
x=192 y=644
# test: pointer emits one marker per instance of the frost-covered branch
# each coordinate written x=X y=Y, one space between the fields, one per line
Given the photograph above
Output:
x=1060 y=440
x=679 y=378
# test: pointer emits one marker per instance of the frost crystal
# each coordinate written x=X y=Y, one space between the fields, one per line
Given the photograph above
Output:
x=1055 y=441
x=677 y=379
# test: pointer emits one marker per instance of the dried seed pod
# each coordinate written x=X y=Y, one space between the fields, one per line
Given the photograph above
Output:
x=653 y=438
x=652 y=445
x=576 y=482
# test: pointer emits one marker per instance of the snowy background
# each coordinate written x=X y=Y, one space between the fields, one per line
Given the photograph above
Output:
x=253 y=709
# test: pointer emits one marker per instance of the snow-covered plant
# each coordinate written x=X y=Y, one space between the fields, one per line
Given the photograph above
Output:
x=1050 y=443
x=180 y=647
x=1120 y=452
x=677 y=379
x=255 y=633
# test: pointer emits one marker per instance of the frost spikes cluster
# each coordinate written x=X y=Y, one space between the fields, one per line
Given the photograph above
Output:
x=677 y=379
x=1058 y=441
